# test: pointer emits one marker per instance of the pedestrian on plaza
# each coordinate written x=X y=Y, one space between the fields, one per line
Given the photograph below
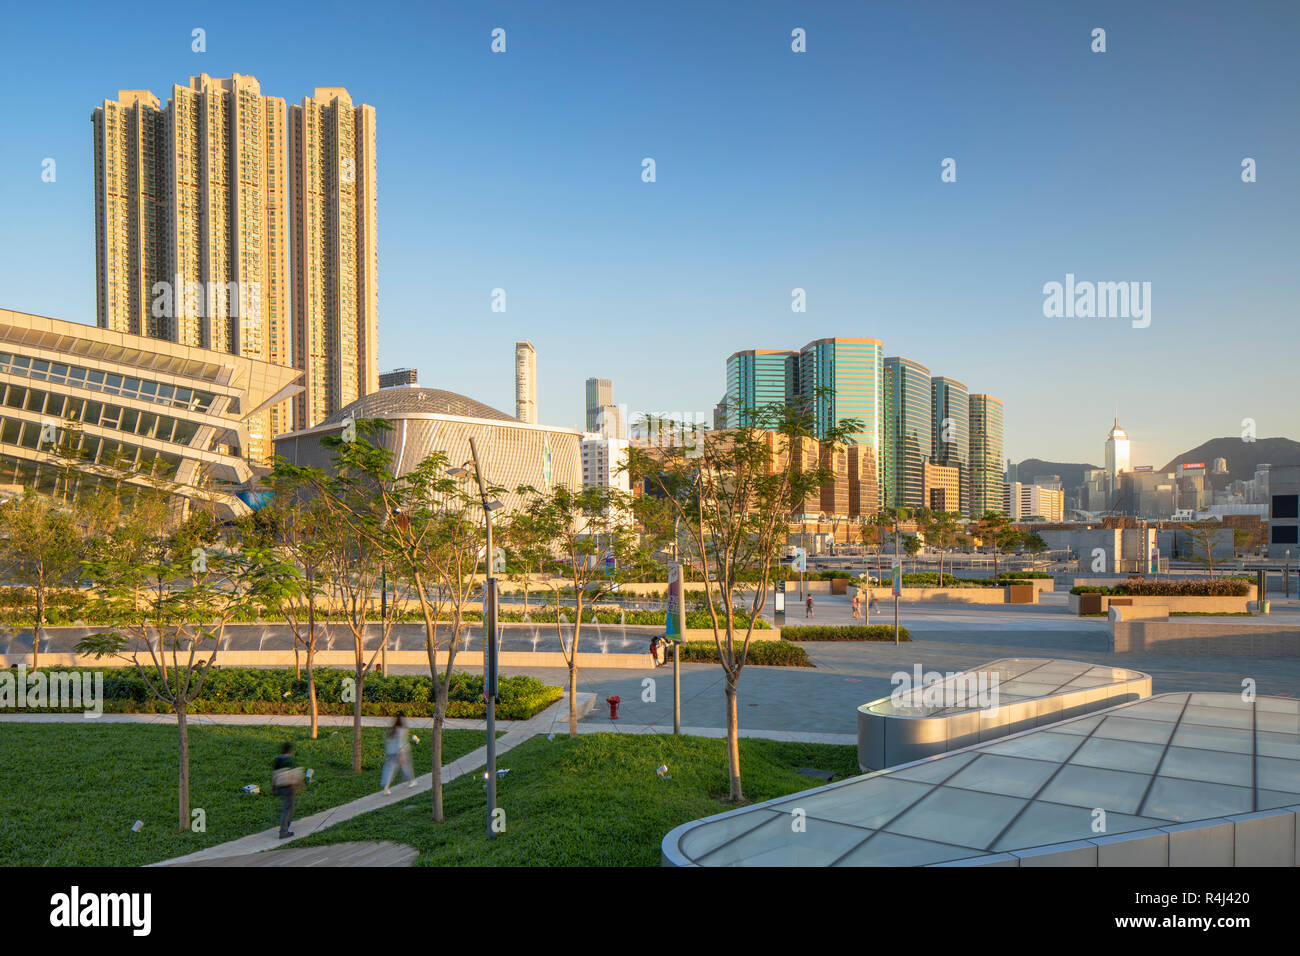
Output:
x=857 y=605
x=654 y=649
x=808 y=607
x=286 y=781
x=872 y=604
x=397 y=752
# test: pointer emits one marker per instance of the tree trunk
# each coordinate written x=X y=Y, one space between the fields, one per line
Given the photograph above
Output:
x=311 y=652
x=573 y=695
x=183 y=784
x=733 y=741
x=356 y=718
x=438 y=814
x=36 y=632
x=313 y=708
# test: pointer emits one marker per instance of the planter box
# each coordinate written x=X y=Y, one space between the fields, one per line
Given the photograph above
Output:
x=1100 y=603
x=1021 y=594
x=839 y=586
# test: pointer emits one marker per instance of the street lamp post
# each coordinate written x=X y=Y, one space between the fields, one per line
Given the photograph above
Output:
x=489 y=640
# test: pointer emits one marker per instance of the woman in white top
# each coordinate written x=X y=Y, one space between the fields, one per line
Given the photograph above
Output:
x=397 y=750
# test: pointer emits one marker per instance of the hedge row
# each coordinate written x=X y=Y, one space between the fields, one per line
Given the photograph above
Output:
x=1022 y=575
x=773 y=653
x=1213 y=587
x=845 y=632
x=277 y=691
x=932 y=579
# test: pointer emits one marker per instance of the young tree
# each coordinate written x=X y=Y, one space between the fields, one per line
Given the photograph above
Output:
x=202 y=589
x=287 y=553
x=526 y=542
x=426 y=526
x=942 y=532
x=734 y=493
x=584 y=527
x=992 y=529
x=912 y=545
x=1202 y=539
x=39 y=549
x=350 y=529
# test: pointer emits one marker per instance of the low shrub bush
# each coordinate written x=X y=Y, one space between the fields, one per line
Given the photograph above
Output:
x=844 y=632
x=763 y=653
x=239 y=690
x=1207 y=587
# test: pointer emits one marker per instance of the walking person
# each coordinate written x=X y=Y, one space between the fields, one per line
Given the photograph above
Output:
x=857 y=605
x=808 y=607
x=286 y=781
x=397 y=751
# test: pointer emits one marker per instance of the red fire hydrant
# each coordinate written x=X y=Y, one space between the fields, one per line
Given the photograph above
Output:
x=613 y=706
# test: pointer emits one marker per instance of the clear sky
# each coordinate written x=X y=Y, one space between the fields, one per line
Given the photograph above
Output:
x=775 y=170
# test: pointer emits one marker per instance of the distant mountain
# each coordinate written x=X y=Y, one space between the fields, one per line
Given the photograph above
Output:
x=1242 y=456
x=1071 y=473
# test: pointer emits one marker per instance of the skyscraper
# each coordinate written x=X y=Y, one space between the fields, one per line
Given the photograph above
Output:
x=757 y=378
x=335 y=252
x=840 y=378
x=909 y=439
x=950 y=445
x=603 y=416
x=526 y=382
x=600 y=392
x=1118 y=456
x=985 y=455
x=190 y=238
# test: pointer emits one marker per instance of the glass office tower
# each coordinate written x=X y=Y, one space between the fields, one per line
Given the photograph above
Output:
x=757 y=378
x=908 y=438
x=985 y=455
x=840 y=378
x=950 y=444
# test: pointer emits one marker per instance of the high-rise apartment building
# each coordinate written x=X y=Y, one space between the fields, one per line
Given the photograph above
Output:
x=950 y=445
x=335 y=252
x=986 y=482
x=526 y=382
x=908 y=432
x=190 y=223
x=758 y=378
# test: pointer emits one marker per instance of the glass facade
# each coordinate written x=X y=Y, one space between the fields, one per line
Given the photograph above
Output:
x=757 y=378
x=986 y=455
x=849 y=369
x=951 y=431
x=908 y=432
x=94 y=380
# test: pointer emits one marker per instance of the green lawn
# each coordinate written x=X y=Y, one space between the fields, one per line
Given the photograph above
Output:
x=69 y=792
x=591 y=801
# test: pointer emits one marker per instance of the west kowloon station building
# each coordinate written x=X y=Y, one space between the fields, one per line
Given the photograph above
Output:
x=111 y=400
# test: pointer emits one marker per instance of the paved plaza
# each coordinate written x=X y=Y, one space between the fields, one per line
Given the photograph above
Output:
x=945 y=637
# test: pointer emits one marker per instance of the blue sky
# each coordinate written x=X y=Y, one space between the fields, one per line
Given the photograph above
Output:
x=775 y=170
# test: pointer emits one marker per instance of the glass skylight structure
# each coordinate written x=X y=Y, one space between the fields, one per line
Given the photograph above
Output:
x=1181 y=779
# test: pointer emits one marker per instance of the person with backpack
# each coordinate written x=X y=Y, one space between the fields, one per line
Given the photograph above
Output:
x=397 y=752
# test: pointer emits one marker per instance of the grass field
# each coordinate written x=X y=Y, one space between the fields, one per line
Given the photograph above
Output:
x=69 y=792
x=591 y=801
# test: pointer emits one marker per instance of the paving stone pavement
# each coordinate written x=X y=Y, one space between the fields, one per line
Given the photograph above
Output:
x=945 y=637
x=361 y=853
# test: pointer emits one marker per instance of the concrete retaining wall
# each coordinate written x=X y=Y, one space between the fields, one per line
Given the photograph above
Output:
x=1223 y=638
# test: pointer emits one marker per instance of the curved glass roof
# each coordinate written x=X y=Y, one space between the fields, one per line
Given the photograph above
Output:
x=1169 y=759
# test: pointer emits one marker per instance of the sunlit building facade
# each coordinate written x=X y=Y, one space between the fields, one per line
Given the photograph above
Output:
x=986 y=481
x=332 y=188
